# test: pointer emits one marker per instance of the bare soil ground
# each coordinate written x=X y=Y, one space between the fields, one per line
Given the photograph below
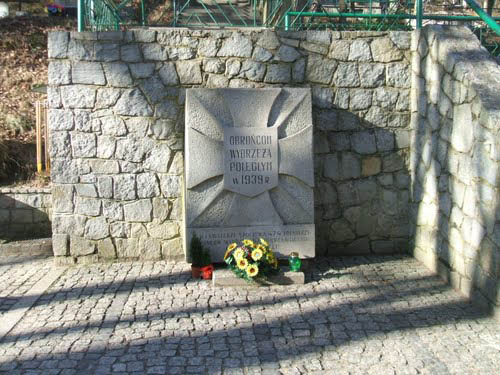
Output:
x=23 y=62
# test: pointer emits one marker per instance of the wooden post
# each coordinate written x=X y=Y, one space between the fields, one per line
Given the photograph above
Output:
x=46 y=136
x=38 y=136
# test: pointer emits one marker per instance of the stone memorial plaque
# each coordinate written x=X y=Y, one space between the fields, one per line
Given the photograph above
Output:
x=249 y=168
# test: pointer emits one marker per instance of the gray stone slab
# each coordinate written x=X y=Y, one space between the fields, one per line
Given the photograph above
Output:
x=249 y=167
x=283 y=239
x=88 y=73
x=226 y=277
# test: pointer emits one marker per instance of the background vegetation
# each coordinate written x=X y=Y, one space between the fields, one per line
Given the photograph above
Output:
x=23 y=62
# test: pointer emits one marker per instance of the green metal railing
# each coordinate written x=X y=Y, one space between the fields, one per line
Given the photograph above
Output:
x=216 y=13
x=108 y=14
x=97 y=15
x=291 y=17
x=314 y=10
x=484 y=34
x=289 y=25
x=483 y=25
x=490 y=21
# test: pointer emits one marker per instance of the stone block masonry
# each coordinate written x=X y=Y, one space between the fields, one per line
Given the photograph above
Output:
x=117 y=127
x=25 y=213
x=455 y=160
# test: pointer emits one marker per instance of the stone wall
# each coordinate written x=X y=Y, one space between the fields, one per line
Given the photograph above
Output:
x=455 y=160
x=117 y=121
x=25 y=213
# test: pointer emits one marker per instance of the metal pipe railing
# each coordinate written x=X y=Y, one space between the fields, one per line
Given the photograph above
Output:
x=420 y=12
x=81 y=20
x=98 y=15
x=104 y=14
x=399 y=16
x=490 y=21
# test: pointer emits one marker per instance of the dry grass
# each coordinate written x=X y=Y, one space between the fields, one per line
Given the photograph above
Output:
x=23 y=58
x=23 y=62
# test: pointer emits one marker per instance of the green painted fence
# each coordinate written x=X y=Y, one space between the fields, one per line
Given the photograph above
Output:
x=97 y=15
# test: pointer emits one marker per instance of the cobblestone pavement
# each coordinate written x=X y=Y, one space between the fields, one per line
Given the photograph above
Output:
x=18 y=274
x=376 y=315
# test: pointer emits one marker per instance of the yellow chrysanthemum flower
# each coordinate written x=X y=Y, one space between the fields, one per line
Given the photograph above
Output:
x=242 y=264
x=272 y=260
x=229 y=249
x=264 y=242
x=257 y=254
x=261 y=248
x=248 y=242
x=239 y=253
x=252 y=270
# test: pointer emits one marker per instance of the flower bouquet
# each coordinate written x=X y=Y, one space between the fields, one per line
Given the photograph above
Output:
x=251 y=261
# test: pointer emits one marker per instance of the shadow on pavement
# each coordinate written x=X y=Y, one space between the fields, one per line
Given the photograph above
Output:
x=285 y=324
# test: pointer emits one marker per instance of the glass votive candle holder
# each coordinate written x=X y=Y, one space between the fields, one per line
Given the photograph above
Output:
x=294 y=262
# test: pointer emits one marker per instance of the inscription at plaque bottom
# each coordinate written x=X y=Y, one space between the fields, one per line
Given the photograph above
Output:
x=250 y=160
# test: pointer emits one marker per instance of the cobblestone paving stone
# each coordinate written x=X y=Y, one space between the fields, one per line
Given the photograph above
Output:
x=376 y=315
x=18 y=274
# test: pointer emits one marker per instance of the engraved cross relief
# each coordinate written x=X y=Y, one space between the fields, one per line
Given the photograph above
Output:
x=249 y=157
